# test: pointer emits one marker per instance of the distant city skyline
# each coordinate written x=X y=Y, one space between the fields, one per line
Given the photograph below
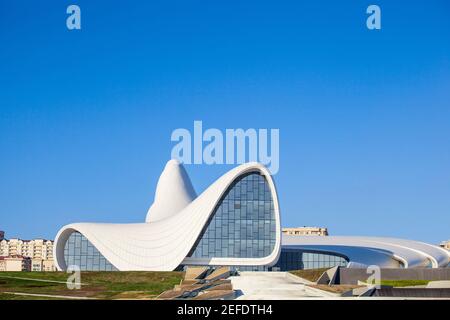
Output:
x=86 y=115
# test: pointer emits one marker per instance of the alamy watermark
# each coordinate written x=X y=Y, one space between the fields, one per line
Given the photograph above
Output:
x=74 y=280
x=73 y=21
x=373 y=21
x=374 y=279
x=233 y=146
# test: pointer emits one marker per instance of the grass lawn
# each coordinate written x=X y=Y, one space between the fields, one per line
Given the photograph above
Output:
x=404 y=283
x=309 y=274
x=100 y=285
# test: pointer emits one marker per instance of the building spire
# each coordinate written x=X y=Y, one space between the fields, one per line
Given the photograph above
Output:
x=173 y=192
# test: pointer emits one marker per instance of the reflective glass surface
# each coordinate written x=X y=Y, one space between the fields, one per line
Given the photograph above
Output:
x=79 y=251
x=243 y=223
x=291 y=259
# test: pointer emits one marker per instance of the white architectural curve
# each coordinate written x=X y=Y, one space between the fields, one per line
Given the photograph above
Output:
x=164 y=244
x=177 y=218
x=365 y=251
x=174 y=192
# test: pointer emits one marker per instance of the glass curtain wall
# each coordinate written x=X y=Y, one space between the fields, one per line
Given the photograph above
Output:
x=79 y=251
x=243 y=224
x=292 y=259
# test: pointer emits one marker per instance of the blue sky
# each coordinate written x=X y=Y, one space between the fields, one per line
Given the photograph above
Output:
x=364 y=116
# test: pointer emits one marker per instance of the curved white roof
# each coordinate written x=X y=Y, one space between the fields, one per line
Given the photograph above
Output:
x=164 y=242
x=364 y=251
x=177 y=217
x=174 y=192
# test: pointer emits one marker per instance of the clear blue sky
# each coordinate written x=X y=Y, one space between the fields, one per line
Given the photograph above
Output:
x=364 y=116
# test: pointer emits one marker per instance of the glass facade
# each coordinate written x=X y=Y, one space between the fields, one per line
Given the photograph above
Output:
x=79 y=251
x=293 y=259
x=243 y=224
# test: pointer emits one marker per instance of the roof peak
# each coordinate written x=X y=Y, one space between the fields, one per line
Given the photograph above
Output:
x=174 y=192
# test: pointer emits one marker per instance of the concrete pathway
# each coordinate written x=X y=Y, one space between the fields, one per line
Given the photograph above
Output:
x=48 y=296
x=276 y=286
x=41 y=280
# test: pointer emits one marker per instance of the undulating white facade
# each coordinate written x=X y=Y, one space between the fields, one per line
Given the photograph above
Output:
x=234 y=222
x=365 y=251
x=174 y=223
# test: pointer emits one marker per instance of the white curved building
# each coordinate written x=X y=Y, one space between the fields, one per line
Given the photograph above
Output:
x=234 y=222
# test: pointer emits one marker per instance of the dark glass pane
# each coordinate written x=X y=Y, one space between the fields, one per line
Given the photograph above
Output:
x=243 y=222
x=297 y=259
x=79 y=251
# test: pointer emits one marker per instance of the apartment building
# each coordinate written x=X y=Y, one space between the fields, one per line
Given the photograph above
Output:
x=15 y=263
x=40 y=252
x=445 y=244
x=305 y=231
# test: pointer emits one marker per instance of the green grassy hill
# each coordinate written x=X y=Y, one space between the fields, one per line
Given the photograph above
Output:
x=98 y=285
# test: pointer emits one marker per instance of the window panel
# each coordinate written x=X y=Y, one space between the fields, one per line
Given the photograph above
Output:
x=293 y=259
x=245 y=215
x=243 y=225
x=79 y=251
